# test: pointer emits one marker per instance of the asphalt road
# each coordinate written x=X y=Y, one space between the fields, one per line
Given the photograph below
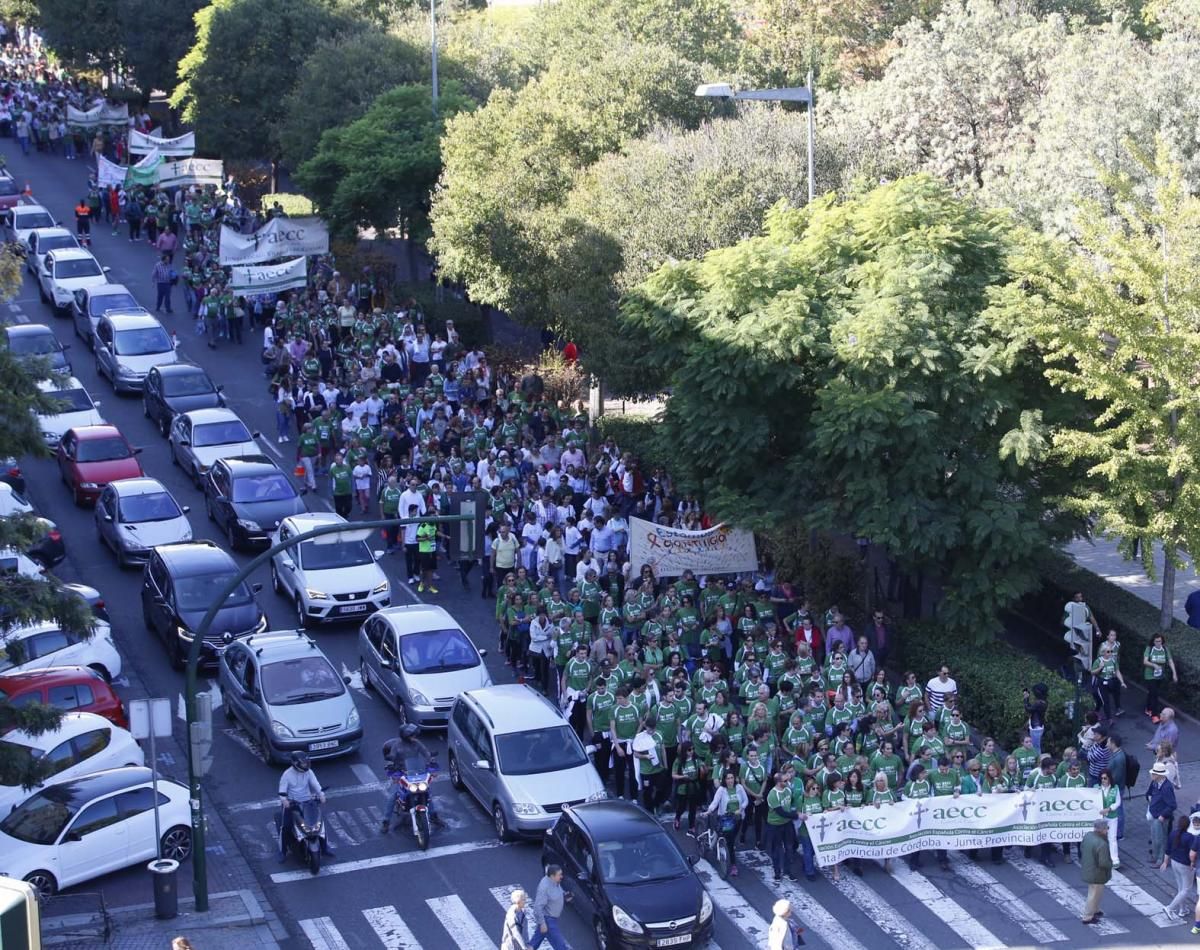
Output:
x=382 y=892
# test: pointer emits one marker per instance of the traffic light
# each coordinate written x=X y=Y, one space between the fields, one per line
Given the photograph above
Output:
x=20 y=919
x=1079 y=633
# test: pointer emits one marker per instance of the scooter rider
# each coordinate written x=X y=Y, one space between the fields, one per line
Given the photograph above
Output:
x=298 y=784
x=397 y=753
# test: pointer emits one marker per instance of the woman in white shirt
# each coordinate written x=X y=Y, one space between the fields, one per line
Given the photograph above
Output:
x=729 y=806
x=362 y=484
x=541 y=648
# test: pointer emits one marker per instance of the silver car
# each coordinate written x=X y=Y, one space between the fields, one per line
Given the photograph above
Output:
x=135 y=515
x=128 y=346
x=200 y=437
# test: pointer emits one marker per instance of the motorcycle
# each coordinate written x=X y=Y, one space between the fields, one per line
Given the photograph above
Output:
x=411 y=794
x=308 y=827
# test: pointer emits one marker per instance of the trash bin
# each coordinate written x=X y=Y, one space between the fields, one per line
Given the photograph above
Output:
x=166 y=888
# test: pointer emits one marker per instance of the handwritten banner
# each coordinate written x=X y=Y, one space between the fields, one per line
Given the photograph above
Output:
x=671 y=551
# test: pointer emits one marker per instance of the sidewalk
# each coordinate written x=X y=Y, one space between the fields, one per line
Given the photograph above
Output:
x=1100 y=556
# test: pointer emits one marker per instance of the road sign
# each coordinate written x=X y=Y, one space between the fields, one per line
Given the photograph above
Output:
x=150 y=718
x=466 y=537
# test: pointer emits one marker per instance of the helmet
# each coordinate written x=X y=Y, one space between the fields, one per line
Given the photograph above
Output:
x=300 y=761
x=409 y=731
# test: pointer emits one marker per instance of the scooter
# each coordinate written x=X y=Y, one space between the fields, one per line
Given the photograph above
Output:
x=307 y=832
x=412 y=795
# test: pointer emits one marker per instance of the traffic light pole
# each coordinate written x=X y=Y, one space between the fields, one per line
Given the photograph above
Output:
x=199 y=856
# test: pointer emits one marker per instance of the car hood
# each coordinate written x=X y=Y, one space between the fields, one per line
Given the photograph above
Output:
x=109 y=471
x=143 y=364
x=79 y=283
x=60 y=423
x=445 y=687
x=658 y=901
x=554 y=788
x=13 y=795
x=235 y=620
x=351 y=580
x=21 y=857
x=179 y=404
x=206 y=455
x=149 y=534
x=320 y=714
x=268 y=514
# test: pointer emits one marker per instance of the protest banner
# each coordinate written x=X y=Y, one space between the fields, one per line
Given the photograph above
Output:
x=109 y=173
x=191 y=171
x=270 y=279
x=279 y=237
x=182 y=146
x=671 y=551
x=102 y=113
x=145 y=172
x=1030 y=817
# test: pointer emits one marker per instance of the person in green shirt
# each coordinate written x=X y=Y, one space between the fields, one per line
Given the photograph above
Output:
x=686 y=775
x=307 y=447
x=929 y=740
x=1156 y=660
x=574 y=682
x=781 y=833
x=389 y=507
x=427 y=538
x=626 y=721
x=589 y=593
x=944 y=783
x=653 y=777
x=1074 y=778
x=599 y=716
x=341 y=486
x=807 y=805
x=918 y=787
x=886 y=763
x=1039 y=778
x=1026 y=756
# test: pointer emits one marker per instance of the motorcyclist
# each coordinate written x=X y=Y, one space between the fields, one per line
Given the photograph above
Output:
x=298 y=784
x=397 y=753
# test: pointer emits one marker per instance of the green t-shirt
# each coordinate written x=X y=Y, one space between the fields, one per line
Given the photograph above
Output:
x=659 y=764
x=578 y=673
x=1159 y=655
x=754 y=778
x=601 y=706
x=426 y=538
x=944 y=783
x=915 y=789
x=778 y=798
x=308 y=445
x=1072 y=781
x=690 y=772
x=339 y=475
x=389 y=499
x=889 y=765
x=1026 y=758
x=625 y=721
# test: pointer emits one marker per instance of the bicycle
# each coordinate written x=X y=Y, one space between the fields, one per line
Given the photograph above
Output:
x=711 y=844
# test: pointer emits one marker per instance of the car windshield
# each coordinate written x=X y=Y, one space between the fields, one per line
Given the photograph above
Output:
x=42 y=818
x=651 y=857
x=325 y=557
x=98 y=306
x=200 y=590
x=437 y=651
x=271 y=487
x=187 y=384
x=34 y=219
x=33 y=344
x=8 y=186
x=103 y=450
x=143 y=342
x=71 y=400
x=540 y=750
x=305 y=679
x=53 y=242
x=155 y=506
x=77 y=267
x=15 y=760
x=220 y=433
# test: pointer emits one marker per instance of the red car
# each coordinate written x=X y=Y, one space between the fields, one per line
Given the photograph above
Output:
x=70 y=688
x=90 y=457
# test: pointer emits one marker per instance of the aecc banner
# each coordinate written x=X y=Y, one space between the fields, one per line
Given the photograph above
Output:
x=279 y=237
x=270 y=279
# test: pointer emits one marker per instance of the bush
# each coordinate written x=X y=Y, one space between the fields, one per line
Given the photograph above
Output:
x=1134 y=619
x=293 y=205
x=636 y=434
x=990 y=678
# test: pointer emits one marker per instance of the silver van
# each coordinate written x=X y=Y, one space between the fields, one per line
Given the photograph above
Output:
x=513 y=750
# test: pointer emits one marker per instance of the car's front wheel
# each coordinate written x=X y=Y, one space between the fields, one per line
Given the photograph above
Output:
x=43 y=883
x=177 y=843
x=455 y=775
x=600 y=930
x=301 y=614
x=501 y=823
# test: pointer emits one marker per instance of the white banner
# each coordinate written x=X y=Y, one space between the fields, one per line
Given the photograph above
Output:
x=152 y=160
x=671 y=551
x=102 y=113
x=109 y=173
x=181 y=147
x=269 y=279
x=279 y=237
x=192 y=171
x=969 y=821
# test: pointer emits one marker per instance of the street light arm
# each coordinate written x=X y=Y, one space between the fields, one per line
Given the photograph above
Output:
x=793 y=94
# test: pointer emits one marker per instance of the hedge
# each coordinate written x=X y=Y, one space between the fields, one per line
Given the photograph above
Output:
x=636 y=434
x=990 y=678
x=1134 y=619
x=293 y=205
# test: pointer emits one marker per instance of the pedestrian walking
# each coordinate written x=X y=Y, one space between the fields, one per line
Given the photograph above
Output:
x=1160 y=811
x=162 y=276
x=1156 y=660
x=547 y=909
x=784 y=933
x=516 y=928
x=1096 y=863
x=1181 y=859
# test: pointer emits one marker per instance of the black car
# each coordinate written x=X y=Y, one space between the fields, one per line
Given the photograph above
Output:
x=628 y=877
x=28 y=341
x=178 y=585
x=248 y=497
x=175 y=388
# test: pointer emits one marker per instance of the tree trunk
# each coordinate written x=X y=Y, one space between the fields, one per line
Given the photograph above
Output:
x=1167 y=607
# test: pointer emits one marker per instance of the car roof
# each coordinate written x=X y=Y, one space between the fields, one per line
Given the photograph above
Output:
x=103 y=431
x=32 y=206
x=107 y=290
x=27 y=329
x=513 y=707
x=97 y=784
x=13 y=683
x=71 y=724
x=129 y=320
x=282 y=644
x=417 y=618
x=178 y=369
x=614 y=820
x=73 y=254
x=247 y=466
x=204 y=416
x=55 y=231
x=194 y=554
x=307 y=520
x=51 y=386
x=127 y=487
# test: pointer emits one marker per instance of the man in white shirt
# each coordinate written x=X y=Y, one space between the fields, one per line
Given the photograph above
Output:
x=586 y=563
x=937 y=689
x=603 y=539
x=410 y=496
x=573 y=457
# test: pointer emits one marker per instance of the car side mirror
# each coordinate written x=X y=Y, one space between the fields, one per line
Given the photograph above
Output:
x=95 y=403
x=291 y=565
x=377 y=554
x=108 y=517
x=221 y=388
x=185 y=442
x=256 y=587
x=137 y=450
x=66 y=346
x=346 y=680
x=107 y=270
x=74 y=836
x=483 y=765
x=589 y=750
x=692 y=859
x=584 y=876
x=186 y=509
x=483 y=652
x=385 y=664
x=257 y=435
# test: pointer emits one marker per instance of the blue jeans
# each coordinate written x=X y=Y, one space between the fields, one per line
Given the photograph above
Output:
x=283 y=425
x=552 y=935
x=164 y=296
x=809 y=856
x=1158 y=839
x=1035 y=734
x=781 y=843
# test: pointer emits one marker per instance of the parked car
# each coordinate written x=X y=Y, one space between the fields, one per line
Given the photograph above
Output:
x=39 y=645
x=43 y=240
x=50 y=549
x=135 y=515
x=200 y=437
x=66 y=271
x=75 y=831
x=179 y=584
x=92 y=456
x=76 y=408
x=70 y=688
x=176 y=388
x=248 y=498
x=11 y=474
x=128 y=346
x=419 y=660
x=10 y=192
x=89 y=304
x=288 y=696
x=511 y=748
x=82 y=743
x=24 y=218
x=30 y=341
x=629 y=880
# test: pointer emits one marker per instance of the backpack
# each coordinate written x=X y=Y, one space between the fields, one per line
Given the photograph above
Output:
x=1133 y=768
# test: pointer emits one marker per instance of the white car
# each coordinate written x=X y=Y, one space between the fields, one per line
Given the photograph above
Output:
x=78 y=409
x=43 y=240
x=80 y=829
x=46 y=644
x=200 y=437
x=23 y=219
x=327 y=579
x=82 y=743
x=13 y=561
x=66 y=271
x=136 y=515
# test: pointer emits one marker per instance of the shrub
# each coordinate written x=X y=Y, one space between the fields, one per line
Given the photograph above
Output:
x=990 y=678
x=293 y=205
x=638 y=435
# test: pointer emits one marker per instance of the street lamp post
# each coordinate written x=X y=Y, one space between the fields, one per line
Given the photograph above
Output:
x=722 y=90
x=199 y=857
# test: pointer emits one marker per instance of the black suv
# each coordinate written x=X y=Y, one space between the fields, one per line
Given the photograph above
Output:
x=179 y=584
x=247 y=497
x=178 y=387
x=629 y=879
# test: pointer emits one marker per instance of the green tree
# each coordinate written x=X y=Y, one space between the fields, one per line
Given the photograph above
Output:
x=19 y=11
x=1120 y=327
x=247 y=57
x=84 y=34
x=155 y=36
x=845 y=371
x=378 y=171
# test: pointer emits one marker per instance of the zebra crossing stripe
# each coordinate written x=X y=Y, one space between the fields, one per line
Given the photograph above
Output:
x=1140 y=901
x=334 y=820
x=948 y=911
x=503 y=895
x=388 y=860
x=391 y=929
x=727 y=897
x=453 y=915
x=323 y=935
x=1063 y=893
x=1024 y=916
x=881 y=913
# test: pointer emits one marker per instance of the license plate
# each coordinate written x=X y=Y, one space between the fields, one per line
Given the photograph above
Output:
x=318 y=746
x=673 y=941
x=353 y=609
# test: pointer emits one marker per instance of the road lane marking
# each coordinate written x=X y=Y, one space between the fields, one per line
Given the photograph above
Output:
x=465 y=930
x=948 y=911
x=749 y=921
x=1140 y=901
x=1024 y=916
x=391 y=929
x=265 y=443
x=323 y=935
x=389 y=860
x=1063 y=893
x=881 y=913
x=274 y=802
x=365 y=774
